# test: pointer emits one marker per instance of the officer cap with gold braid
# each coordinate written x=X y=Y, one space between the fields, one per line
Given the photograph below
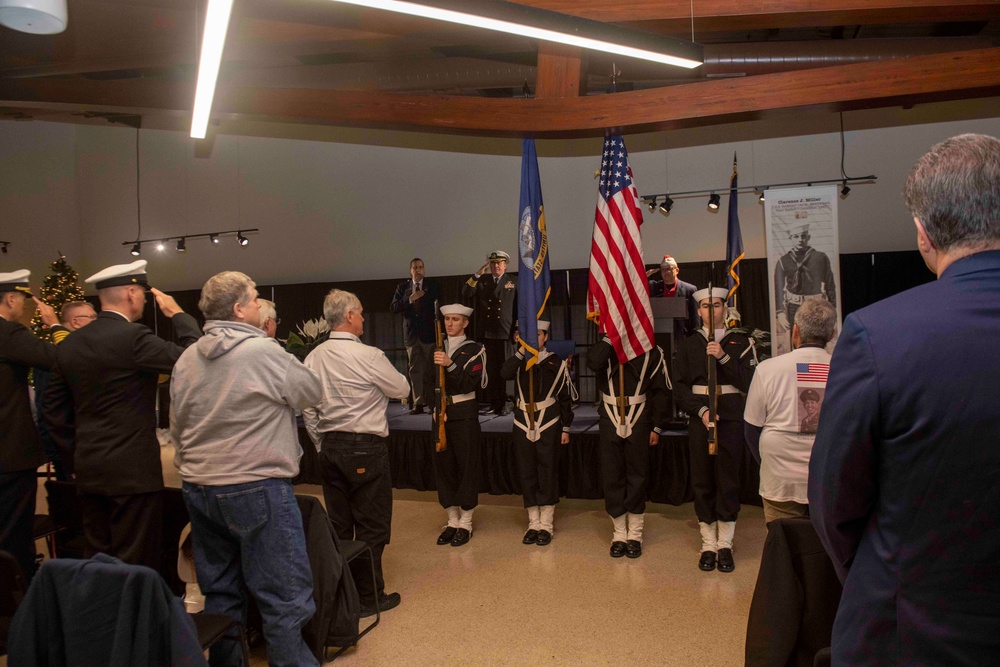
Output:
x=499 y=256
x=16 y=281
x=120 y=274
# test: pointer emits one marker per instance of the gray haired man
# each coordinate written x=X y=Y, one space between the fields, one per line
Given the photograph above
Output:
x=350 y=429
x=783 y=408
x=233 y=401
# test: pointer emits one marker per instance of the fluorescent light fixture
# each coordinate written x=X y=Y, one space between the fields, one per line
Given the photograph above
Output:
x=213 y=41
x=535 y=23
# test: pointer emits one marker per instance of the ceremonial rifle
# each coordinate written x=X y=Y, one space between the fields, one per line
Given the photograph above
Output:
x=713 y=381
x=440 y=395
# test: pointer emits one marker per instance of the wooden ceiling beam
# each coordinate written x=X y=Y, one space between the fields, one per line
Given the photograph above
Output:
x=905 y=80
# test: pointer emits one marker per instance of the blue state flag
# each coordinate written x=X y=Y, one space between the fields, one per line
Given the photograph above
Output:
x=734 y=240
x=533 y=254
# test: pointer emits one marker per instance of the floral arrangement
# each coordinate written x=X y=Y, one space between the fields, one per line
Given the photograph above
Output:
x=311 y=333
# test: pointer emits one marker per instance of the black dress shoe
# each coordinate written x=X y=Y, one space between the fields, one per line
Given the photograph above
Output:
x=386 y=601
x=707 y=561
x=617 y=549
x=530 y=537
x=417 y=410
x=447 y=535
x=633 y=549
x=461 y=537
x=726 y=562
x=544 y=537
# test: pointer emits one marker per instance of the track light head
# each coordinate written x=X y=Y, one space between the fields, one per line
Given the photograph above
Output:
x=667 y=204
x=136 y=249
x=3 y=247
x=160 y=246
x=181 y=245
x=713 y=202
x=242 y=240
x=760 y=195
x=651 y=203
x=844 y=191
x=214 y=238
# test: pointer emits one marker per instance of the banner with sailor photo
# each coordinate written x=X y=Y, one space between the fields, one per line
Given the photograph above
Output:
x=803 y=255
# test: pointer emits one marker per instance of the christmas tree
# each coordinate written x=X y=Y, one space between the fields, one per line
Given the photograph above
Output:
x=58 y=289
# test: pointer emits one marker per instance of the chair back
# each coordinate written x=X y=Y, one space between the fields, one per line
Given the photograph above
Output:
x=12 y=588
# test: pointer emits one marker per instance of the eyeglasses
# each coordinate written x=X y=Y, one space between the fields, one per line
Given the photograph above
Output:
x=84 y=317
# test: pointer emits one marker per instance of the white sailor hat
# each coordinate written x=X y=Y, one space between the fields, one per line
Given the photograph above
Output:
x=16 y=281
x=543 y=325
x=716 y=293
x=798 y=230
x=669 y=261
x=456 y=309
x=120 y=274
x=499 y=256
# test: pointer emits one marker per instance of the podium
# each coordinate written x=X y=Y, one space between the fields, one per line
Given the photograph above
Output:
x=668 y=315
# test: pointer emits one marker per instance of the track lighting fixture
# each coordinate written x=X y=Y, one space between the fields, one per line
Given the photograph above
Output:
x=651 y=203
x=760 y=195
x=844 y=191
x=713 y=202
x=667 y=204
x=3 y=246
x=181 y=241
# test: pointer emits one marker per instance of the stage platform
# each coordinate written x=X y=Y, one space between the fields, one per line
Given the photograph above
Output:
x=411 y=451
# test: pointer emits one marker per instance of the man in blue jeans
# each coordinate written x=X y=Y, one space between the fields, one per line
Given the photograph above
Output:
x=233 y=401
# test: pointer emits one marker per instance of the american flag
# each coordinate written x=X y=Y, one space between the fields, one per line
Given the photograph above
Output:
x=812 y=372
x=618 y=290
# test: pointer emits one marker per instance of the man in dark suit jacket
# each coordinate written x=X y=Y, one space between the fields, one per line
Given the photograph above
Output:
x=493 y=296
x=20 y=447
x=109 y=370
x=904 y=480
x=414 y=300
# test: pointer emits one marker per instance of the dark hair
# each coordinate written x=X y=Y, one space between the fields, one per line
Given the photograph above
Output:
x=416 y=259
x=954 y=191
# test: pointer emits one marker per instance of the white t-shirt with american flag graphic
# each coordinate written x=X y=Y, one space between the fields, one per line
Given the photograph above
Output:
x=785 y=399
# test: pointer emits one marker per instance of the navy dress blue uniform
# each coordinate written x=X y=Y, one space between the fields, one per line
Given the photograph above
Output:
x=715 y=479
x=538 y=459
x=495 y=303
x=109 y=371
x=904 y=479
x=625 y=458
x=20 y=448
x=457 y=468
x=418 y=335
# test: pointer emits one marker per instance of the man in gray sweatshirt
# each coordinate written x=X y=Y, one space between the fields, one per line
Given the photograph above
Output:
x=233 y=401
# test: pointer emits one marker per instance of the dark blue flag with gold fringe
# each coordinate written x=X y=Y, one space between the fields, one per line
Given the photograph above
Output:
x=734 y=240
x=533 y=254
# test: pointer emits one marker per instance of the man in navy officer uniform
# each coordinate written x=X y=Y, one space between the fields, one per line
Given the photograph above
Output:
x=20 y=447
x=109 y=371
x=493 y=294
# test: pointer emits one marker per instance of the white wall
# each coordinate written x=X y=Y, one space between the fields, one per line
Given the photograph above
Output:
x=360 y=204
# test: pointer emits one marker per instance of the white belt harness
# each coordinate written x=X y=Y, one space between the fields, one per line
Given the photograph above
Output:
x=702 y=389
x=562 y=378
x=636 y=402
